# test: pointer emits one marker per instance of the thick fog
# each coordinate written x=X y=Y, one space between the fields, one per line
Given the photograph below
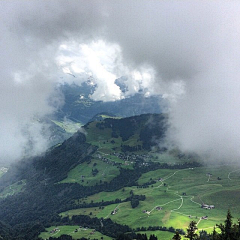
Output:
x=187 y=51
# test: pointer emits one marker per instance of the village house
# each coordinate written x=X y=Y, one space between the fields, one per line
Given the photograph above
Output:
x=206 y=206
x=54 y=230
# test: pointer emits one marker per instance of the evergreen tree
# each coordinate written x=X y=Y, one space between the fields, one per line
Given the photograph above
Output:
x=177 y=236
x=152 y=237
x=191 y=231
x=226 y=228
x=214 y=235
x=203 y=235
x=236 y=230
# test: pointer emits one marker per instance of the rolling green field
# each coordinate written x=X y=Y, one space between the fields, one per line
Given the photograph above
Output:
x=83 y=174
x=174 y=196
x=180 y=194
x=162 y=235
x=74 y=231
x=68 y=126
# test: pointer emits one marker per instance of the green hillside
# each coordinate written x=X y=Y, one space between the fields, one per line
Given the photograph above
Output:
x=68 y=126
x=75 y=231
x=179 y=194
x=113 y=179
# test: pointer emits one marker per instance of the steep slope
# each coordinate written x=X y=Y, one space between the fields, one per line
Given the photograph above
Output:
x=116 y=154
x=79 y=108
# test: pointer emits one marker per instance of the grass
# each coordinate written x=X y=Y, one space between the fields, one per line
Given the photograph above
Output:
x=75 y=231
x=13 y=189
x=163 y=235
x=179 y=192
x=177 y=209
x=104 y=116
x=166 y=158
x=68 y=126
x=103 y=139
x=83 y=175
x=92 y=212
x=109 y=196
x=96 y=134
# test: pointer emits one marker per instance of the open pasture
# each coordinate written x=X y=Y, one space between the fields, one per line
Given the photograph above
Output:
x=92 y=212
x=162 y=235
x=84 y=173
x=68 y=126
x=109 y=196
x=177 y=197
x=75 y=231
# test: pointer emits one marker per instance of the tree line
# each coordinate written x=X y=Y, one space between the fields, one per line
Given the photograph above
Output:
x=227 y=231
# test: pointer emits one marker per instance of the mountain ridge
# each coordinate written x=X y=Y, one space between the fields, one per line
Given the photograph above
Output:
x=114 y=170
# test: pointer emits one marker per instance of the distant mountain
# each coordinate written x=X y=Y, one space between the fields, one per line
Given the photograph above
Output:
x=79 y=107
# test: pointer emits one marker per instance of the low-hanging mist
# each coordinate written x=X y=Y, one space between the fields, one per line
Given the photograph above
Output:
x=186 y=51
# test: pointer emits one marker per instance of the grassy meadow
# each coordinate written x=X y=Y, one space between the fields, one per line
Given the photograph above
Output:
x=83 y=174
x=68 y=126
x=75 y=231
x=174 y=197
x=179 y=193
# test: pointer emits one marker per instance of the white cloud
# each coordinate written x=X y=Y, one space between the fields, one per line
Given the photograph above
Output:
x=103 y=61
x=187 y=51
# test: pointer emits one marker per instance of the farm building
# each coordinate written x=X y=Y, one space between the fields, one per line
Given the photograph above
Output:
x=206 y=206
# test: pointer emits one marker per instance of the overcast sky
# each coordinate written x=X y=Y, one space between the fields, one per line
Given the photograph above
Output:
x=187 y=51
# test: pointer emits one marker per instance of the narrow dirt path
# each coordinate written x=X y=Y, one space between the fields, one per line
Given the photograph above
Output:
x=163 y=205
x=195 y=202
x=231 y=173
x=179 y=206
x=200 y=219
x=164 y=179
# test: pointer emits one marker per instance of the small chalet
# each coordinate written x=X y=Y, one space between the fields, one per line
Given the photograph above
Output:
x=205 y=206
